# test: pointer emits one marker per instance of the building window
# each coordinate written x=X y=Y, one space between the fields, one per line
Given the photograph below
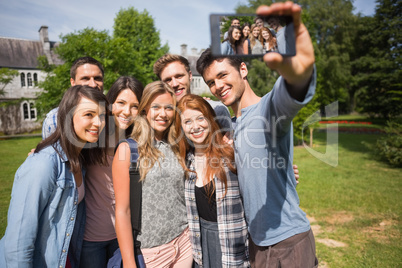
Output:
x=22 y=80
x=32 y=110
x=25 y=110
x=35 y=79
x=29 y=79
x=29 y=110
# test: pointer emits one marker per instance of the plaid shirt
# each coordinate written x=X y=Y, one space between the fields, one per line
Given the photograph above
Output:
x=232 y=225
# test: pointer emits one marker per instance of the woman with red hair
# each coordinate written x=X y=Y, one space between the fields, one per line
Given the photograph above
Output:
x=268 y=40
x=218 y=230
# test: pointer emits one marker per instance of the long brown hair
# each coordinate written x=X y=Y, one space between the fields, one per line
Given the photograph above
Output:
x=235 y=44
x=122 y=83
x=219 y=155
x=271 y=40
x=66 y=138
x=143 y=132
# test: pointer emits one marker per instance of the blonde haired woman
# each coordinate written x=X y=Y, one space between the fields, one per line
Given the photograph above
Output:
x=164 y=235
x=255 y=43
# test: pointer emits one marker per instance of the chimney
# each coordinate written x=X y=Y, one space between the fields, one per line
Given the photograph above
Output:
x=194 y=51
x=44 y=39
x=184 y=50
x=43 y=34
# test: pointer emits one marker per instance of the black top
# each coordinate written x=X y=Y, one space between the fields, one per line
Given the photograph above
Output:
x=206 y=207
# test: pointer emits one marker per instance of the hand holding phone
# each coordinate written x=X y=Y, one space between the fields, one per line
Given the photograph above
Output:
x=249 y=35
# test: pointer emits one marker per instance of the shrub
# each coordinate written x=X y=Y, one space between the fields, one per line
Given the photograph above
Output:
x=390 y=146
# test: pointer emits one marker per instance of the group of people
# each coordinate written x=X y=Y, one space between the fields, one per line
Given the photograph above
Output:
x=256 y=39
x=205 y=201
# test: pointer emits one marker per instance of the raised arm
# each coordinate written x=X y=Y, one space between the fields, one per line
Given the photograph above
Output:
x=121 y=185
x=297 y=71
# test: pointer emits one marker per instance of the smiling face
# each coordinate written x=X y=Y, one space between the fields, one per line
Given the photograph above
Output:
x=195 y=126
x=88 y=120
x=88 y=75
x=246 y=31
x=256 y=32
x=225 y=81
x=178 y=78
x=236 y=34
x=160 y=114
x=125 y=108
x=265 y=35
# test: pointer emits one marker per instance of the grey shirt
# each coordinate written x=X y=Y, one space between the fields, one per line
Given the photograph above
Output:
x=222 y=115
x=163 y=205
x=257 y=48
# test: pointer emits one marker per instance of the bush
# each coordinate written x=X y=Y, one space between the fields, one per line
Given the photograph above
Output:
x=390 y=146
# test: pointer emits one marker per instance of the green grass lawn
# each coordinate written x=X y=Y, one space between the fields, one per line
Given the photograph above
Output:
x=12 y=154
x=357 y=202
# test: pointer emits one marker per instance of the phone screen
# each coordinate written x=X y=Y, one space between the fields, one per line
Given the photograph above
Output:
x=249 y=35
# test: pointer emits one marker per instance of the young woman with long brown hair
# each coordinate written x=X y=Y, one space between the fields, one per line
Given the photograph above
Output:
x=46 y=216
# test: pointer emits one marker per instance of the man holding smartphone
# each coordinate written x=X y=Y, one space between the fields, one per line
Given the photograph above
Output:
x=280 y=233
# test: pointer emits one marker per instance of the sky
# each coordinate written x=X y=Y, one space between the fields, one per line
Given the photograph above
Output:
x=178 y=21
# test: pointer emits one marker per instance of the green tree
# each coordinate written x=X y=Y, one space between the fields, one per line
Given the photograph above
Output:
x=6 y=76
x=377 y=63
x=132 y=50
x=57 y=81
x=86 y=42
x=260 y=77
x=139 y=29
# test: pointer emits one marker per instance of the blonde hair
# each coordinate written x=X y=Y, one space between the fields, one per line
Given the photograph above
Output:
x=252 y=38
x=144 y=134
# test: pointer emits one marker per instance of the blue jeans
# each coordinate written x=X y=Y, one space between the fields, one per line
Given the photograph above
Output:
x=97 y=254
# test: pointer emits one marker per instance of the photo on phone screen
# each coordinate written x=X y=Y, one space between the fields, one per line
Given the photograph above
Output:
x=247 y=35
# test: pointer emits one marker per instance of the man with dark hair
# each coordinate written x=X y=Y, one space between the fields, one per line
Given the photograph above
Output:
x=175 y=71
x=233 y=22
x=283 y=34
x=259 y=22
x=84 y=71
x=280 y=233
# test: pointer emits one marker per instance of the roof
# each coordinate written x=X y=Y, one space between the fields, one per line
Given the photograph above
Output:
x=22 y=53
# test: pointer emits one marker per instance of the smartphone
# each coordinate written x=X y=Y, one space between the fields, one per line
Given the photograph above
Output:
x=265 y=34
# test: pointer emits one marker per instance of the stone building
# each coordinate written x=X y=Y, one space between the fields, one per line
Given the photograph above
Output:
x=198 y=85
x=17 y=105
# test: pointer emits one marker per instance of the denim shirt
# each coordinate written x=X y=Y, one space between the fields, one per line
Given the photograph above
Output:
x=45 y=221
x=50 y=123
x=226 y=48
